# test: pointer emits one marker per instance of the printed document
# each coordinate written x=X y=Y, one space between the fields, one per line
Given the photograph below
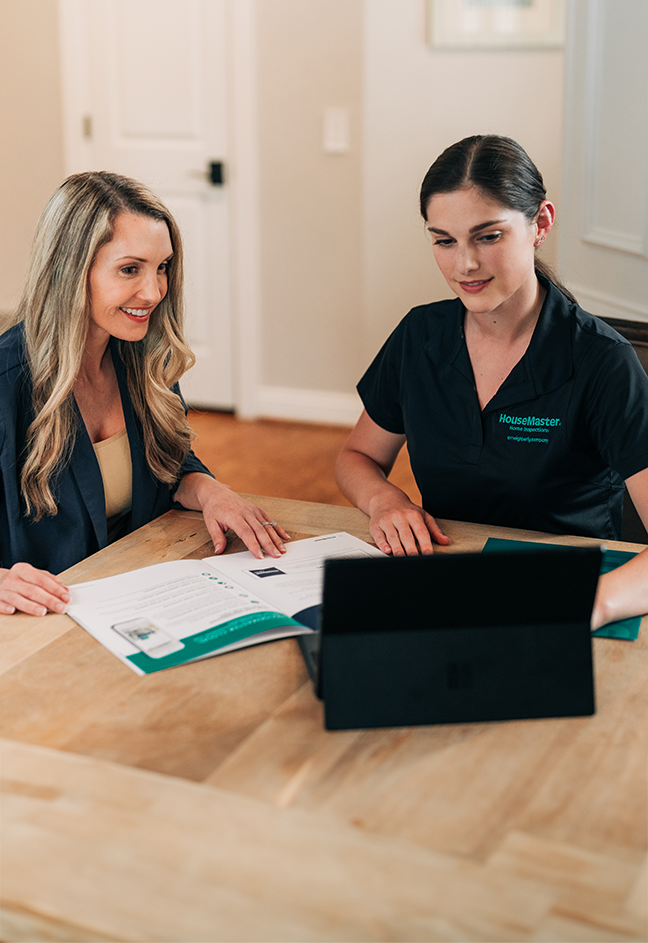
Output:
x=185 y=610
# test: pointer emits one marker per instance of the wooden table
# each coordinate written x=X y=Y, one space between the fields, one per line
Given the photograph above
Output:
x=207 y=802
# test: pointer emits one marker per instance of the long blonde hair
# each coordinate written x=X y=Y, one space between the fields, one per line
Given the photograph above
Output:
x=78 y=220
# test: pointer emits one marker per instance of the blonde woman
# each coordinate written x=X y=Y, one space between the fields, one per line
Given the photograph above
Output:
x=94 y=440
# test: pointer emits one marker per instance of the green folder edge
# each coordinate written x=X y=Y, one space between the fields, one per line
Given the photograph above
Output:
x=209 y=641
x=627 y=628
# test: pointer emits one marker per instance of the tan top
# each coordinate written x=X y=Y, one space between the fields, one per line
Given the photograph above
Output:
x=114 y=459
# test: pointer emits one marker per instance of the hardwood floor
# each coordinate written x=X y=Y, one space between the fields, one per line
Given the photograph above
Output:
x=277 y=458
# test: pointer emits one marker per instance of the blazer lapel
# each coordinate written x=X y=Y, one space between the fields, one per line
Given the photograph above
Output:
x=87 y=474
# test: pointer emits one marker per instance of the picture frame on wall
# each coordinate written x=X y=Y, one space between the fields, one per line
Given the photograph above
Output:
x=496 y=24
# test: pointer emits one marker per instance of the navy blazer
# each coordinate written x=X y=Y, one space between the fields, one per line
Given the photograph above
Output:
x=79 y=529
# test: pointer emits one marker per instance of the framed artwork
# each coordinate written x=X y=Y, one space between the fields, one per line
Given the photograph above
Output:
x=496 y=24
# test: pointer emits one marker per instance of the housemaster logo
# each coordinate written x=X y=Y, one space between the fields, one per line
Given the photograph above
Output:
x=523 y=427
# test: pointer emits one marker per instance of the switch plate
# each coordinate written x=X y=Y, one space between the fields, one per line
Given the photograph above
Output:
x=336 y=131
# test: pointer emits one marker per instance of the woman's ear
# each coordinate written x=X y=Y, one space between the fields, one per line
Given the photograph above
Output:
x=543 y=222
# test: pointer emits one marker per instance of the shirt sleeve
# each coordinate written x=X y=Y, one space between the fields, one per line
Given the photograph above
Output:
x=193 y=464
x=618 y=411
x=380 y=387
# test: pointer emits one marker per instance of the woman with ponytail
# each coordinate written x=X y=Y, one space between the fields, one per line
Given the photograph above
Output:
x=94 y=439
x=519 y=408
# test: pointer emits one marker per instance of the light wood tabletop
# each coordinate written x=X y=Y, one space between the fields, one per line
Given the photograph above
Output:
x=207 y=802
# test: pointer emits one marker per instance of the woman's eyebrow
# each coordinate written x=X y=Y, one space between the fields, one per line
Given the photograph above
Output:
x=477 y=228
x=136 y=258
x=491 y=222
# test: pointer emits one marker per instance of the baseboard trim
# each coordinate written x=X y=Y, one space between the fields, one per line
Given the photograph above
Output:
x=277 y=402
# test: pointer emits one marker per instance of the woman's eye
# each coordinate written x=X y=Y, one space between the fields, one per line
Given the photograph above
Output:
x=129 y=270
x=163 y=269
x=490 y=237
x=443 y=242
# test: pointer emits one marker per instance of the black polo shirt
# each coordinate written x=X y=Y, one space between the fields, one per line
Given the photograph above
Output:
x=549 y=452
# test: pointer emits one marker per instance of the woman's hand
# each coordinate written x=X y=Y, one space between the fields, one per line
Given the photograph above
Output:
x=396 y=524
x=623 y=593
x=402 y=528
x=223 y=509
x=23 y=588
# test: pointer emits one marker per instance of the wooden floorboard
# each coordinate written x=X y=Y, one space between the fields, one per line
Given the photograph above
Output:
x=282 y=459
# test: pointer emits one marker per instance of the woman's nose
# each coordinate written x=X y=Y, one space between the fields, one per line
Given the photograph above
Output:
x=150 y=289
x=467 y=260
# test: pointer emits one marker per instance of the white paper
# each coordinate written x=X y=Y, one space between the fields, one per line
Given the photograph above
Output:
x=293 y=582
x=184 y=599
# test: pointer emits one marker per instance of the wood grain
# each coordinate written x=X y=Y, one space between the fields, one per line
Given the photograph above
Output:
x=157 y=858
x=207 y=802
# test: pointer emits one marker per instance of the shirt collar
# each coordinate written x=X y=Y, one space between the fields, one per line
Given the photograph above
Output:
x=550 y=351
x=546 y=365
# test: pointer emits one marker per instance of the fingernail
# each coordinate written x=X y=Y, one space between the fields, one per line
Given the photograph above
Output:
x=60 y=607
x=42 y=612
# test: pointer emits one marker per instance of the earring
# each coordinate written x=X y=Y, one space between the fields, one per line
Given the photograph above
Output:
x=538 y=243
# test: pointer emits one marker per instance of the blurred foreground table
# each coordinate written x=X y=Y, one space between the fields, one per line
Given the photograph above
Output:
x=207 y=802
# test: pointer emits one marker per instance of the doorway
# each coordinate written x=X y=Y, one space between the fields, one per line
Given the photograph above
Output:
x=148 y=92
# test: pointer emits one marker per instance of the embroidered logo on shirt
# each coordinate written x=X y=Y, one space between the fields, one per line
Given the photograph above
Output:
x=524 y=425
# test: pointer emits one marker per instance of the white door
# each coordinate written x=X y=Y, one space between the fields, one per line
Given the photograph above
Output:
x=145 y=83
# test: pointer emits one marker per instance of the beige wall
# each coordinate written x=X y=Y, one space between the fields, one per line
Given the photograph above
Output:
x=31 y=155
x=311 y=238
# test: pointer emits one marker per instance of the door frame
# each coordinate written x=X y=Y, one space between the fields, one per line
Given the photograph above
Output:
x=242 y=172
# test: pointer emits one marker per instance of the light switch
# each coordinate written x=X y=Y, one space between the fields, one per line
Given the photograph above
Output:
x=336 y=134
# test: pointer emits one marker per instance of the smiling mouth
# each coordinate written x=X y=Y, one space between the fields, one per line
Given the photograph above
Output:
x=140 y=313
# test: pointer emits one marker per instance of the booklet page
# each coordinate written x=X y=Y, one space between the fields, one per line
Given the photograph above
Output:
x=184 y=610
x=170 y=613
x=294 y=582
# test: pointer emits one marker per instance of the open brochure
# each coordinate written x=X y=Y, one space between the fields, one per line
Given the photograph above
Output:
x=181 y=611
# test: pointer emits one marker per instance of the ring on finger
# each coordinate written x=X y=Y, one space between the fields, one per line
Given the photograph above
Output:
x=268 y=523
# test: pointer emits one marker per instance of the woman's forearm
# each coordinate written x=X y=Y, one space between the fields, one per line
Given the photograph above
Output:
x=195 y=488
x=364 y=482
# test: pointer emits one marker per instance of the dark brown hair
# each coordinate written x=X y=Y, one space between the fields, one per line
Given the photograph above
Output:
x=501 y=170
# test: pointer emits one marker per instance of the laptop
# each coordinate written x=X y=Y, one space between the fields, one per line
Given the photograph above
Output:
x=455 y=638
